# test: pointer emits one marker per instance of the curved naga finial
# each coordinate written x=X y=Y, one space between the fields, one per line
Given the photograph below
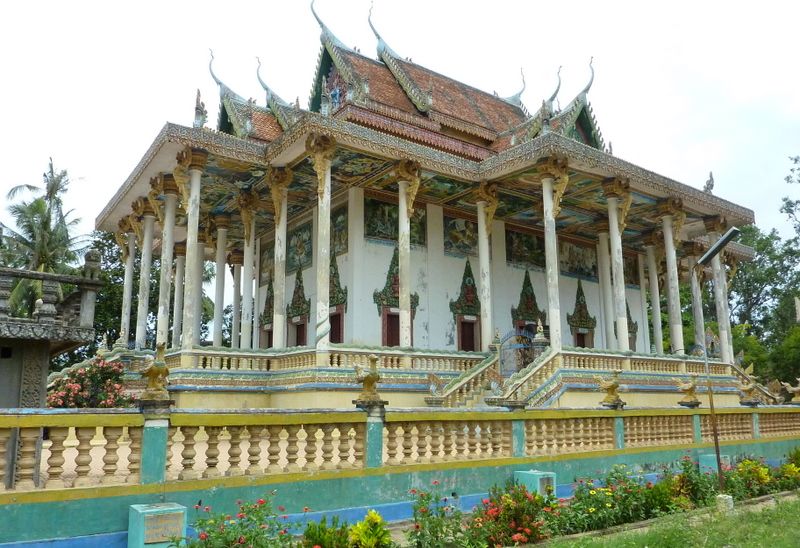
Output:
x=591 y=78
x=382 y=45
x=517 y=97
x=558 y=87
x=326 y=32
x=211 y=68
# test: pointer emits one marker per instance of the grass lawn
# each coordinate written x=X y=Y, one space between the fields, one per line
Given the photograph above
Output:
x=772 y=527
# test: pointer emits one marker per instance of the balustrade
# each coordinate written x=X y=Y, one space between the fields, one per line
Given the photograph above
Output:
x=568 y=435
x=648 y=430
x=730 y=426
x=779 y=424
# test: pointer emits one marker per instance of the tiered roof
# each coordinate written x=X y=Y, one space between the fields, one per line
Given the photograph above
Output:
x=396 y=96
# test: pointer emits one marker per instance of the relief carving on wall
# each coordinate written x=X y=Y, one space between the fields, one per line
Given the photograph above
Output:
x=467 y=302
x=389 y=296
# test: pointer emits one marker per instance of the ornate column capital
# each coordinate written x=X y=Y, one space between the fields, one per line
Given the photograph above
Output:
x=193 y=159
x=616 y=187
x=168 y=185
x=670 y=206
x=601 y=227
x=236 y=257
x=142 y=207
x=121 y=237
x=279 y=179
x=654 y=238
x=247 y=201
x=487 y=192
x=180 y=249
x=409 y=171
x=555 y=167
x=321 y=148
x=715 y=224
x=692 y=249
x=222 y=221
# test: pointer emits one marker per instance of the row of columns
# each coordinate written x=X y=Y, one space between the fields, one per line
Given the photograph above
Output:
x=189 y=259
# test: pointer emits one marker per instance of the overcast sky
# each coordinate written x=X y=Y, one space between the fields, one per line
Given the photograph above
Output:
x=681 y=89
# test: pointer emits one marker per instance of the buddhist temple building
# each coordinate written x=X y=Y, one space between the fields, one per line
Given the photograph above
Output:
x=411 y=216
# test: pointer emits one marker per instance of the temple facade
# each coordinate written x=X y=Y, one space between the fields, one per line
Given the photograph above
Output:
x=414 y=217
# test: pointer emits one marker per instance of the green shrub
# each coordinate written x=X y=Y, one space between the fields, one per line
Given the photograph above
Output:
x=691 y=488
x=794 y=456
x=510 y=516
x=324 y=535
x=437 y=521
x=97 y=384
x=371 y=532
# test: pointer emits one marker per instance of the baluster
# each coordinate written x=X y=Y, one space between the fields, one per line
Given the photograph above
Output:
x=292 y=448
x=55 y=462
x=5 y=435
x=496 y=433
x=83 y=460
x=111 y=456
x=461 y=440
x=274 y=449
x=327 y=447
x=135 y=455
x=310 y=447
x=254 y=451
x=343 y=446
x=170 y=447
x=436 y=441
x=187 y=463
x=408 y=443
x=212 y=452
x=485 y=440
x=235 y=452
x=358 y=445
x=26 y=463
x=472 y=440
x=391 y=444
x=422 y=442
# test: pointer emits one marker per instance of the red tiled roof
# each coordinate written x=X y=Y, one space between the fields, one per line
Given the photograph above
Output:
x=464 y=102
x=265 y=126
x=383 y=87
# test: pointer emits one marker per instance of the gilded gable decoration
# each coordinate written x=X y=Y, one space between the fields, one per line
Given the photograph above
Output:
x=467 y=302
x=299 y=306
x=269 y=305
x=580 y=318
x=337 y=293
x=389 y=296
x=527 y=310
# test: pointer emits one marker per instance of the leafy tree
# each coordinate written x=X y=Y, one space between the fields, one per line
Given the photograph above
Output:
x=785 y=357
x=792 y=207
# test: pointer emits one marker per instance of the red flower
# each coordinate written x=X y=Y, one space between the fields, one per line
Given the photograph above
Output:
x=435 y=482
x=485 y=501
x=240 y=515
x=241 y=539
x=306 y=509
x=416 y=526
x=207 y=509
x=261 y=502
x=203 y=535
x=412 y=491
x=281 y=508
x=196 y=506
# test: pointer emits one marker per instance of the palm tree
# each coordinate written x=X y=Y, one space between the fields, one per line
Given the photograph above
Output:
x=41 y=240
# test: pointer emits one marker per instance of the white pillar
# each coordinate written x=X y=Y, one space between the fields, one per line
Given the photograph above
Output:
x=236 y=319
x=321 y=149
x=640 y=261
x=485 y=277
x=198 y=296
x=617 y=274
x=177 y=306
x=192 y=282
x=246 y=331
x=256 y=295
x=673 y=289
x=146 y=262
x=655 y=298
x=697 y=303
x=279 y=274
x=355 y=256
x=127 y=289
x=167 y=249
x=606 y=296
x=404 y=263
x=552 y=267
x=721 y=305
x=219 y=278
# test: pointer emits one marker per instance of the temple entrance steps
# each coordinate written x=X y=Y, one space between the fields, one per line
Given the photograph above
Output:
x=649 y=379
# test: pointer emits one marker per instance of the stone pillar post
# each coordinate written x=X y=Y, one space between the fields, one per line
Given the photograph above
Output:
x=669 y=209
x=256 y=294
x=221 y=222
x=655 y=297
x=408 y=174
x=246 y=331
x=606 y=296
x=616 y=190
x=148 y=221
x=128 y=249
x=715 y=227
x=279 y=180
x=236 y=258
x=321 y=149
x=170 y=191
x=551 y=260
x=203 y=246
x=177 y=305
x=487 y=205
x=640 y=262
x=693 y=251
x=194 y=161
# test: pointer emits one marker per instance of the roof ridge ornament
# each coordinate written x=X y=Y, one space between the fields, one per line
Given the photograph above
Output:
x=224 y=90
x=558 y=88
x=326 y=32
x=271 y=95
x=591 y=78
x=516 y=99
x=382 y=45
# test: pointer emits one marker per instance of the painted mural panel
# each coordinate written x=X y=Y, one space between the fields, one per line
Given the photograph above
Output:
x=524 y=249
x=577 y=260
x=267 y=266
x=631 y=268
x=460 y=237
x=380 y=222
x=339 y=231
x=299 y=248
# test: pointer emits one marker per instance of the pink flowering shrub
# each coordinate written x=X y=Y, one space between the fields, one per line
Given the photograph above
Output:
x=98 y=384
